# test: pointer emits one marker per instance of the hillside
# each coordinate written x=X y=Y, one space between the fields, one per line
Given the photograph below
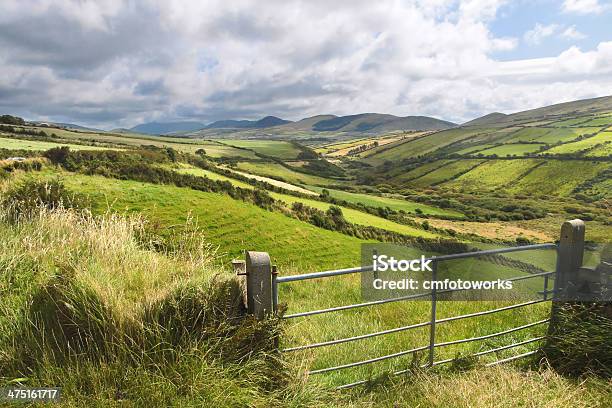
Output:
x=323 y=127
x=268 y=121
x=162 y=128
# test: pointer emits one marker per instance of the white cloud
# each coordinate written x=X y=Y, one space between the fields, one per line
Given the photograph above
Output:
x=582 y=6
x=116 y=63
x=573 y=34
x=539 y=32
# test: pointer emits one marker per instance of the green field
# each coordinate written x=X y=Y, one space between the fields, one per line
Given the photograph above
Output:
x=383 y=202
x=557 y=177
x=275 y=170
x=421 y=145
x=444 y=173
x=21 y=144
x=515 y=149
x=358 y=217
x=602 y=150
x=493 y=174
x=474 y=149
x=214 y=149
x=420 y=170
x=601 y=138
x=552 y=135
x=600 y=121
x=110 y=264
x=279 y=149
x=572 y=122
x=230 y=224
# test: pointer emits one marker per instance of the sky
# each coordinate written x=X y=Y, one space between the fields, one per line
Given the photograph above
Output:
x=115 y=63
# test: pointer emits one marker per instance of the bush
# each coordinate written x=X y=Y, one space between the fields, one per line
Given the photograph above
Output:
x=25 y=199
x=582 y=344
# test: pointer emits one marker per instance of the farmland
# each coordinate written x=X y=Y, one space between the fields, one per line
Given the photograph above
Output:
x=445 y=173
x=384 y=202
x=515 y=149
x=226 y=223
x=280 y=172
x=19 y=144
x=157 y=209
x=278 y=149
x=493 y=174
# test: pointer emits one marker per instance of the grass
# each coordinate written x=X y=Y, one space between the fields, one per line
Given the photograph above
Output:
x=110 y=259
x=421 y=145
x=588 y=143
x=602 y=150
x=21 y=144
x=212 y=148
x=600 y=121
x=186 y=169
x=514 y=149
x=384 y=202
x=359 y=217
x=121 y=272
x=275 y=148
x=278 y=171
x=444 y=173
x=556 y=177
x=493 y=174
x=229 y=224
x=422 y=170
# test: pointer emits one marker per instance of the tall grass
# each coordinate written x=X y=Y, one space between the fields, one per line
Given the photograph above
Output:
x=86 y=300
x=116 y=317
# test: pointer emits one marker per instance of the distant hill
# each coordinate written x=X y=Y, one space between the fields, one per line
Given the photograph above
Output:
x=66 y=126
x=565 y=109
x=486 y=119
x=162 y=128
x=266 y=122
x=376 y=122
x=528 y=133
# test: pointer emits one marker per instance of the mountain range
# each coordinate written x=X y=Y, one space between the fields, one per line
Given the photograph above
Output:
x=371 y=123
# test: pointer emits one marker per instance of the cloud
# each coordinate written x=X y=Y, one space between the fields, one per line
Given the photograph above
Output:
x=573 y=34
x=539 y=32
x=118 y=63
x=582 y=6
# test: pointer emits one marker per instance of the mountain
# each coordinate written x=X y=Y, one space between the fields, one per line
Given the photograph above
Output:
x=307 y=123
x=486 y=119
x=565 y=109
x=376 y=123
x=67 y=126
x=266 y=122
x=162 y=128
x=549 y=131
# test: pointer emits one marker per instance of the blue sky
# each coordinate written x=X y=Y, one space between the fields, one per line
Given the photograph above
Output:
x=117 y=63
x=516 y=18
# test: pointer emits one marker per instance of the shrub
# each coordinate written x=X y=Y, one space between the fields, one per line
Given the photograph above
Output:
x=582 y=343
x=26 y=198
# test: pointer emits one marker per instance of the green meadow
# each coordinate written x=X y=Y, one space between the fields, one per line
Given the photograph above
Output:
x=22 y=144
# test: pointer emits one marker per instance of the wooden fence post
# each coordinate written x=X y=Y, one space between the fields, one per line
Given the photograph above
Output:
x=259 y=284
x=569 y=261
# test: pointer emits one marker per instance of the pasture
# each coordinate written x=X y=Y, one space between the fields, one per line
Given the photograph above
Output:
x=556 y=177
x=274 y=148
x=515 y=149
x=228 y=224
x=445 y=173
x=584 y=144
x=493 y=174
x=22 y=144
x=278 y=171
x=396 y=204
